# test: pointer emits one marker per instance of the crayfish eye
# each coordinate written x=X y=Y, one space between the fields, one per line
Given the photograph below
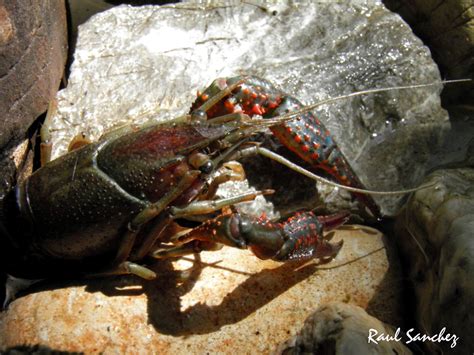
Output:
x=201 y=161
x=207 y=167
x=199 y=115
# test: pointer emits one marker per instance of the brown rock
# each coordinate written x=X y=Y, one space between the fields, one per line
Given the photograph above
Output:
x=233 y=302
x=33 y=50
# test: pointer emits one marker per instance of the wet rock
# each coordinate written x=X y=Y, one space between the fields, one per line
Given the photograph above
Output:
x=457 y=150
x=229 y=302
x=339 y=328
x=435 y=233
x=137 y=63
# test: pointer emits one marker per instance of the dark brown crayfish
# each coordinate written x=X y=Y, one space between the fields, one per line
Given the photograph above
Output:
x=104 y=207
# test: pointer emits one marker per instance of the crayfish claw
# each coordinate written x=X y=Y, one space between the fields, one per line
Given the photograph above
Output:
x=329 y=236
x=331 y=252
x=333 y=221
x=333 y=248
x=305 y=239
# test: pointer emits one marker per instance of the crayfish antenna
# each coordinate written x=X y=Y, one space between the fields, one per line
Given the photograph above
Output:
x=311 y=107
x=278 y=158
x=417 y=243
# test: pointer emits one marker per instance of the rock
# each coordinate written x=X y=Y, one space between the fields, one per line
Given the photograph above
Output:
x=137 y=63
x=339 y=328
x=33 y=48
x=231 y=302
x=447 y=28
x=457 y=150
x=435 y=233
x=33 y=51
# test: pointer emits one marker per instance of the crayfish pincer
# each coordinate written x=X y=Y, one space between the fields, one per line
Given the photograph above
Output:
x=300 y=237
x=105 y=207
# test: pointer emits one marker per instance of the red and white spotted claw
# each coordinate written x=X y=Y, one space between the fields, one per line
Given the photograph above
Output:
x=300 y=237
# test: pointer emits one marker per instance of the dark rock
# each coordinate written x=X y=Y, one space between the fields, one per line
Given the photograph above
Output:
x=33 y=47
x=445 y=27
x=435 y=231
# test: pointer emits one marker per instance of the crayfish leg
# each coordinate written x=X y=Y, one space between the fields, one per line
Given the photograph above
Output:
x=146 y=215
x=126 y=268
x=193 y=247
x=209 y=206
x=205 y=237
x=230 y=171
x=157 y=229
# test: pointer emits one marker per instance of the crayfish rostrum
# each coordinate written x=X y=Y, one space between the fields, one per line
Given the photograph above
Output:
x=106 y=207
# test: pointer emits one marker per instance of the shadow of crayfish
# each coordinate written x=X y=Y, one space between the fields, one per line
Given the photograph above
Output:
x=164 y=295
x=164 y=307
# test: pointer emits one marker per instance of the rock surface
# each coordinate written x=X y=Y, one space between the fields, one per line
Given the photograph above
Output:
x=448 y=29
x=339 y=328
x=435 y=230
x=134 y=63
x=240 y=304
x=33 y=50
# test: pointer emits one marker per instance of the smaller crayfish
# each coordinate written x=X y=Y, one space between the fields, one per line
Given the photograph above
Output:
x=305 y=135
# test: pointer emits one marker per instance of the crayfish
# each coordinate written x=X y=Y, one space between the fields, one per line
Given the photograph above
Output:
x=108 y=207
